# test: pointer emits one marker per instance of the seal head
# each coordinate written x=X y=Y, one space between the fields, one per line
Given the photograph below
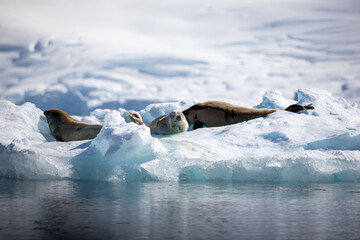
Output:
x=174 y=122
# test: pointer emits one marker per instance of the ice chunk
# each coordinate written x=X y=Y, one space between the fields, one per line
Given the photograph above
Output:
x=27 y=149
x=24 y=123
x=274 y=100
x=117 y=152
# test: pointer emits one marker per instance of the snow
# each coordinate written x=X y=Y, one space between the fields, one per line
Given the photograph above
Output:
x=96 y=59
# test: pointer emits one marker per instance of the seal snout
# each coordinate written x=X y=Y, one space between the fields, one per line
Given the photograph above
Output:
x=176 y=116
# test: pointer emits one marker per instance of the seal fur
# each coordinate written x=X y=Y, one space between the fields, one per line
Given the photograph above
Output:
x=218 y=113
x=174 y=122
x=64 y=128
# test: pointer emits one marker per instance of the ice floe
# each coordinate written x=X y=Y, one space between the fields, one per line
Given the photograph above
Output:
x=320 y=145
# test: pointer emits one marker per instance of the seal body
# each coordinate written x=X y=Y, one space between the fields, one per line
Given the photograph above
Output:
x=174 y=122
x=64 y=128
x=217 y=113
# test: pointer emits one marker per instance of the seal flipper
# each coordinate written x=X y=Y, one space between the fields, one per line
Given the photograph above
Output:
x=310 y=106
x=198 y=124
x=297 y=108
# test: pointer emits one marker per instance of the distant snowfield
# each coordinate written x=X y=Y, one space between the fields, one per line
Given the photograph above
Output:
x=88 y=56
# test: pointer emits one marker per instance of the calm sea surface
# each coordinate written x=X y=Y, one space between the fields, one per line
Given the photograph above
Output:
x=162 y=210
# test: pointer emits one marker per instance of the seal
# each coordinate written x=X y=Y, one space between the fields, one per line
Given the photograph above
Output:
x=174 y=122
x=64 y=128
x=217 y=113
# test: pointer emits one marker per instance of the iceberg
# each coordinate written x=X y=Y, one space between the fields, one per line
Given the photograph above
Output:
x=321 y=145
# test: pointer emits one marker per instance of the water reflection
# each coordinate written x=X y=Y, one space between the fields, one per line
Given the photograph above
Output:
x=163 y=210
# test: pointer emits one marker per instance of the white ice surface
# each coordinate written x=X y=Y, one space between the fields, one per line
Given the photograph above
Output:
x=94 y=59
x=314 y=146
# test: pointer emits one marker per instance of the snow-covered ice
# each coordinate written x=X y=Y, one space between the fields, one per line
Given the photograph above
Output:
x=321 y=145
x=94 y=59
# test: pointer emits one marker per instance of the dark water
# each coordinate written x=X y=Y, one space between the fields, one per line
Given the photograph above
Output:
x=163 y=210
